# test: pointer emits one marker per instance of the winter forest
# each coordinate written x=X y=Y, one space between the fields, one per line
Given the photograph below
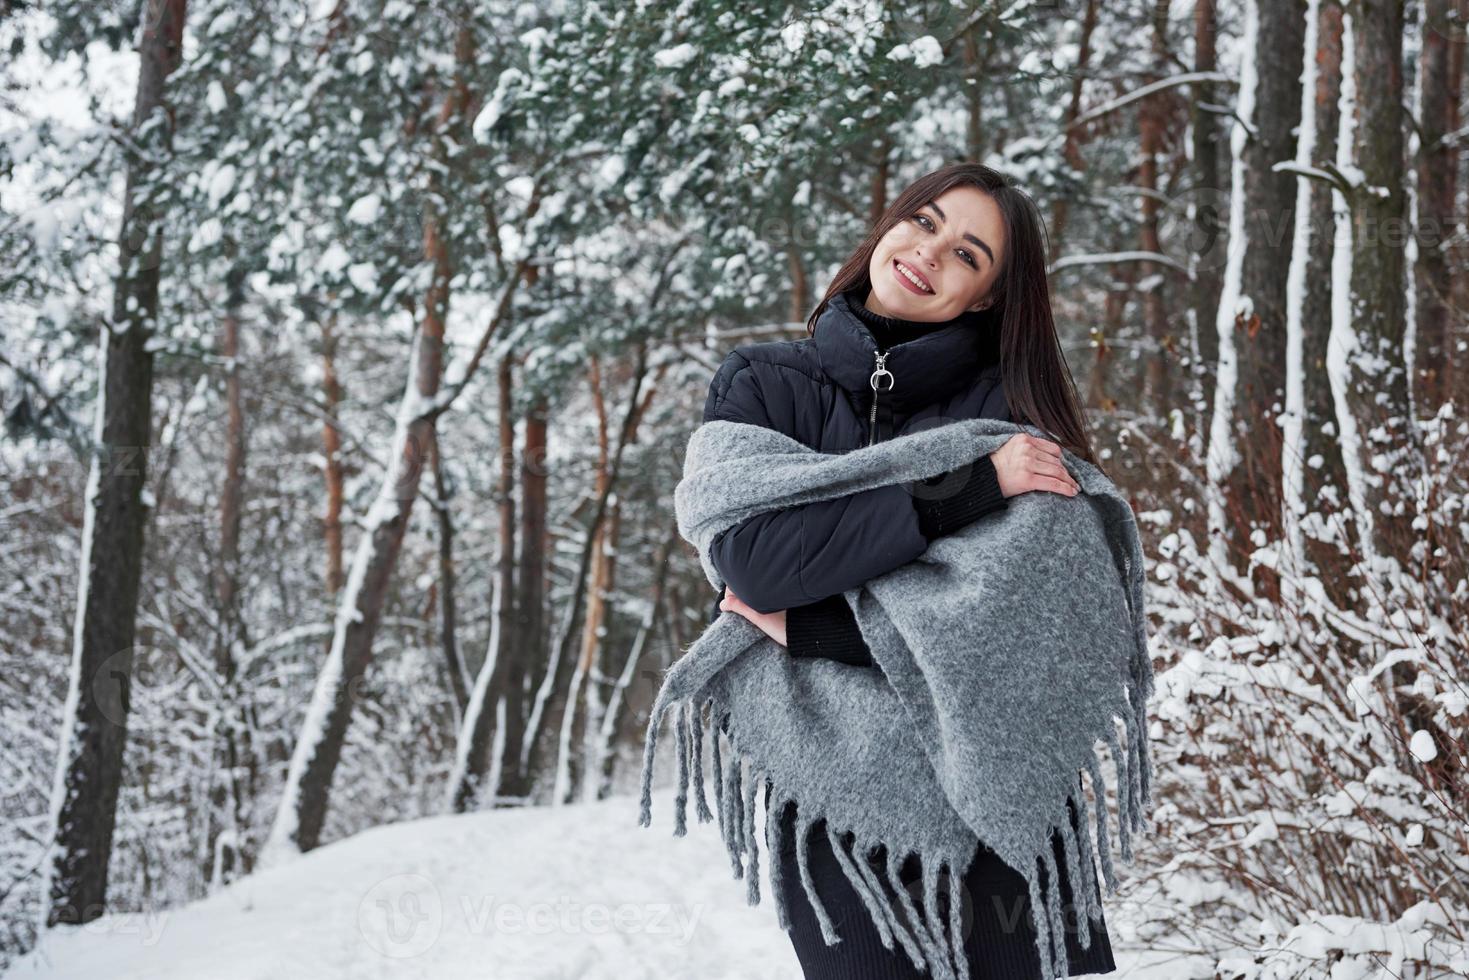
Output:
x=350 y=349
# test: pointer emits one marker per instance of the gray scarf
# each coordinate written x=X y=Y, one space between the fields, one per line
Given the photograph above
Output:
x=1006 y=652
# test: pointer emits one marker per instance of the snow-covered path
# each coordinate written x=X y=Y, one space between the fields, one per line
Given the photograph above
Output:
x=574 y=892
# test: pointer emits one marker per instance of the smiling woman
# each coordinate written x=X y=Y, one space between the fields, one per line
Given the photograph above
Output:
x=940 y=313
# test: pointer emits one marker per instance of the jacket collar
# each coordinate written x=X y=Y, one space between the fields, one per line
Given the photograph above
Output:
x=925 y=368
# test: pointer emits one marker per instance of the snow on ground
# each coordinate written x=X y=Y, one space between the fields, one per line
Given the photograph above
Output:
x=576 y=891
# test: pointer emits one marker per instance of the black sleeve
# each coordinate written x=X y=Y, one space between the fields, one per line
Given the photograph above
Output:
x=943 y=509
x=827 y=629
x=792 y=556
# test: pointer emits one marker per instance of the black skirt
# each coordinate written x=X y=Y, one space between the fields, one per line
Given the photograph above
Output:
x=999 y=939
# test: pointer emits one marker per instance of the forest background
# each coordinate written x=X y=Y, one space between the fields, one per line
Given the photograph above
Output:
x=350 y=348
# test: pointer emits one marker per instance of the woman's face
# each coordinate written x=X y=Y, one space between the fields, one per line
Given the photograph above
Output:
x=953 y=244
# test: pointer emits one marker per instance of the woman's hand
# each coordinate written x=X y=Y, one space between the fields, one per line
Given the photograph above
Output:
x=773 y=624
x=1027 y=463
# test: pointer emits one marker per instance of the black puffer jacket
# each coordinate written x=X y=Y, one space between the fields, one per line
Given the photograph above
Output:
x=820 y=391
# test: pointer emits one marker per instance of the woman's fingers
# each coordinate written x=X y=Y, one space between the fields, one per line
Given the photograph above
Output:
x=1057 y=471
x=1048 y=470
x=1049 y=467
x=1051 y=483
x=1045 y=449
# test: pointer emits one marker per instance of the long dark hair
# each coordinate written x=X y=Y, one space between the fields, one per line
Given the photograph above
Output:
x=1038 y=384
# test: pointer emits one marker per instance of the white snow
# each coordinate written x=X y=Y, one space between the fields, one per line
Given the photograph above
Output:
x=363 y=276
x=220 y=183
x=675 y=57
x=334 y=259
x=793 y=35
x=924 y=52
x=578 y=891
x=494 y=106
x=223 y=22
x=366 y=209
x=216 y=99
x=208 y=232
x=611 y=169
x=1422 y=746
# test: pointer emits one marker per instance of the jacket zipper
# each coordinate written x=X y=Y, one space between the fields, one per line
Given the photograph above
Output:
x=879 y=370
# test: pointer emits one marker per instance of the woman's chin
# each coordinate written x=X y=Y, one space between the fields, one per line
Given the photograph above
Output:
x=900 y=306
x=882 y=296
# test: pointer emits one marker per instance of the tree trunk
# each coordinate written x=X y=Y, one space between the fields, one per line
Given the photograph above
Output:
x=800 y=285
x=94 y=720
x=877 y=201
x=302 y=811
x=973 y=96
x=448 y=639
x=616 y=721
x=584 y=699
x=497 y=705
x=331 y=445
x=530 y=605
x=1323 y=482
x=303 y=808
x=581 y=716
x=555 y=695
x=1387 y=457
x=1252 y=488
x=226 y=812
x=1208 y=224
x=1104 y=367
x=585 y=751
x=1071 y=149
x=1157 y=386
x=1441 y=66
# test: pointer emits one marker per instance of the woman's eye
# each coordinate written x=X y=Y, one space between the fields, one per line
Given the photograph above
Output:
x=924 y=221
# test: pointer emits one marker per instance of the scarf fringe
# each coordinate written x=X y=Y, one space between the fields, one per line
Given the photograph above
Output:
x=1080 y=885
x=697 y=717
x=929 y=942
x=864 y=886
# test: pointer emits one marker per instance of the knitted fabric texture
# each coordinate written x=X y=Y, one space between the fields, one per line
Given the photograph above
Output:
x=1008 y=652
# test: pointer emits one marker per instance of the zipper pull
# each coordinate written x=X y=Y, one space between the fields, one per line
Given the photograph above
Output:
x=878 y=372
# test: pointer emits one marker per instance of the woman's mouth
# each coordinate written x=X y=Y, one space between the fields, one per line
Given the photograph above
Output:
x=911 y=278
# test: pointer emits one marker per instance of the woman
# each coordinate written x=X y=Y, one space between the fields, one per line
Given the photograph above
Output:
x=941 y=313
